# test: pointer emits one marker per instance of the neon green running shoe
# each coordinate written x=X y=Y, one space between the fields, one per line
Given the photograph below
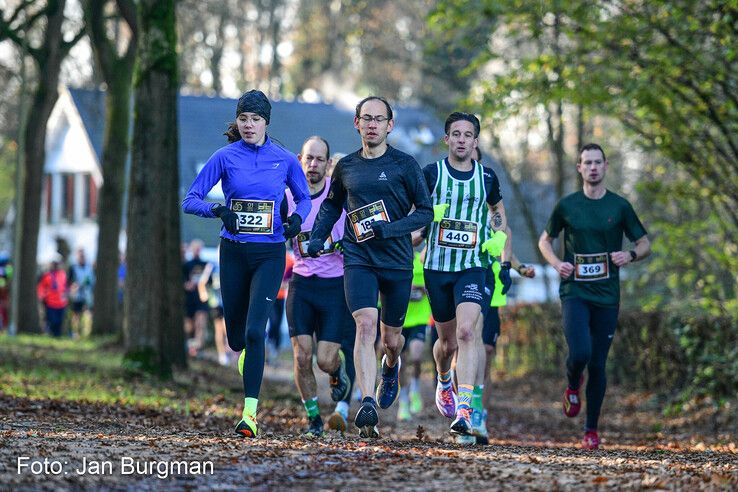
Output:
x=247 y=427
x=416 y=402
x=403 y=413
x=241 y=360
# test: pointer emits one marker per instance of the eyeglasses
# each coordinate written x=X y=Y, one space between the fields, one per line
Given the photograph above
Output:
x=368 y=118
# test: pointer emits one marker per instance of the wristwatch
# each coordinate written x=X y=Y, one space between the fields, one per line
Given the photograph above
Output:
x=633 y=255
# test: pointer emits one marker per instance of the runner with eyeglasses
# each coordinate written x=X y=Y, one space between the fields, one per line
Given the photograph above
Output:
x=379 y=186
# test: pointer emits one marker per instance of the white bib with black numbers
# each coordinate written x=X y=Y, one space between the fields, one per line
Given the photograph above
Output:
x=254 y=216
x=303 y=241
x=454 y=243
x=361 y=219
x=591 y=267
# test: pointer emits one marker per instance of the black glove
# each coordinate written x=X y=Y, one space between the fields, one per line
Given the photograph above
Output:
x=314 y=248
x=379 y=228
x=505 y=276
x=338 y=246
x=229 y=218
x=292 y=227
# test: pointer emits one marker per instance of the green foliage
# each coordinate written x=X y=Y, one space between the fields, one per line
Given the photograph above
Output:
x=8 y=149
x=677 y=352
x=668 y=71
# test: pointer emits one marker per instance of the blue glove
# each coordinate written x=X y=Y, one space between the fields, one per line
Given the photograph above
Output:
x=504 y=276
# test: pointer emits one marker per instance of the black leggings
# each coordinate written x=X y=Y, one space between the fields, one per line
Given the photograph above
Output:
x=250 y=275
x=347 y=346
x=275 y=324
x=589 y=330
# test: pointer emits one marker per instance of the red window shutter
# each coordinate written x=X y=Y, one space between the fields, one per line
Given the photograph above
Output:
x=93 y=196
x=70 y=196
x=47 y=193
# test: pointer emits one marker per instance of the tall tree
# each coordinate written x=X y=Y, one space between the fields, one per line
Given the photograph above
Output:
x=154 y=339
x=117 y=72
x=22 y=25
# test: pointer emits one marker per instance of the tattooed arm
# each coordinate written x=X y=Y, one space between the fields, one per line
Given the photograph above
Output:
x=498 y=217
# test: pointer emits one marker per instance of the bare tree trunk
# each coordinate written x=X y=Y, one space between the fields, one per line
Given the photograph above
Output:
x=48 y=61
x=154 y=338
x=117 y=72
x=218 y=54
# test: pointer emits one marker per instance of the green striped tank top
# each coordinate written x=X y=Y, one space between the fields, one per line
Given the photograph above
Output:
x=454 y=243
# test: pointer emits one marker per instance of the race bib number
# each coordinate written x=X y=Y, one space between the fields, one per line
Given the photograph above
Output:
x=591 y=267
x=254 y=216
x=361 y=219
x=303 y=241
x=458 y=234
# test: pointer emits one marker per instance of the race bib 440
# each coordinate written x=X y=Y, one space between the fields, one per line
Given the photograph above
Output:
x=459 y=234
x=361 y=219
x=591 y=267
x=254 y=216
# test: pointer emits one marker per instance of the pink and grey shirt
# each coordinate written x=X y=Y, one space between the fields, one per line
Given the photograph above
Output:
x=330 y=263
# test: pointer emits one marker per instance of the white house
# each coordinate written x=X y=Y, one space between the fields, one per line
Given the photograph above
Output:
x=72 y=178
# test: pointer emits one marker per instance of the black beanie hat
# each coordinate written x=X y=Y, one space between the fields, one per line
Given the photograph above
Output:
x=254 y=101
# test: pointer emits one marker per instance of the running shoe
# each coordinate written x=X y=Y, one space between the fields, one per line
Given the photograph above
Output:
x=337 y=422
x=572 y=402
x=315 y=427
x=247 y=427
x=241 y=360
x=465 y=440
x=462 y=423
x=416 y=402
x=340 y=384
x=389 y=387
x=479 y=427
x=367 y=419
x=403 y=413
x=446 y=400
x=591 y=440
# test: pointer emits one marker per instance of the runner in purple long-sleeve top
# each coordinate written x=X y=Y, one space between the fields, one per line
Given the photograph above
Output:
x=254 y=172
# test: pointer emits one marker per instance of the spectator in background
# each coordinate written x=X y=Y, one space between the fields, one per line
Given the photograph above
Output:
x=6 y=276
x=121 y=279
x=196 y=316
x=274 y=335
x=52 y=292
x=81 y=279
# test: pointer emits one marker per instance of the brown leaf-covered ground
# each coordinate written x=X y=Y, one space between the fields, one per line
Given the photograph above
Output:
x=533 y=445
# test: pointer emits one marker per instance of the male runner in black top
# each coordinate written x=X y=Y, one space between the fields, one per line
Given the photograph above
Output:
x=379 y=186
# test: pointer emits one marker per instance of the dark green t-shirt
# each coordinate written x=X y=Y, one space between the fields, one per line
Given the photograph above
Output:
x=592 y=230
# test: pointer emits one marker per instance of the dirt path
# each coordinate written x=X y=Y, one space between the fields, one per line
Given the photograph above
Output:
x=533 y=446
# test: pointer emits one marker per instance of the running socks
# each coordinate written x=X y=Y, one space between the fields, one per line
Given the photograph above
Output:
x=465 y=396
x=311 y=407
x=476 y=399
x=404 y=394
x=445 y=379
x=249 y=407
x=342 y=408
x=414 y=385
